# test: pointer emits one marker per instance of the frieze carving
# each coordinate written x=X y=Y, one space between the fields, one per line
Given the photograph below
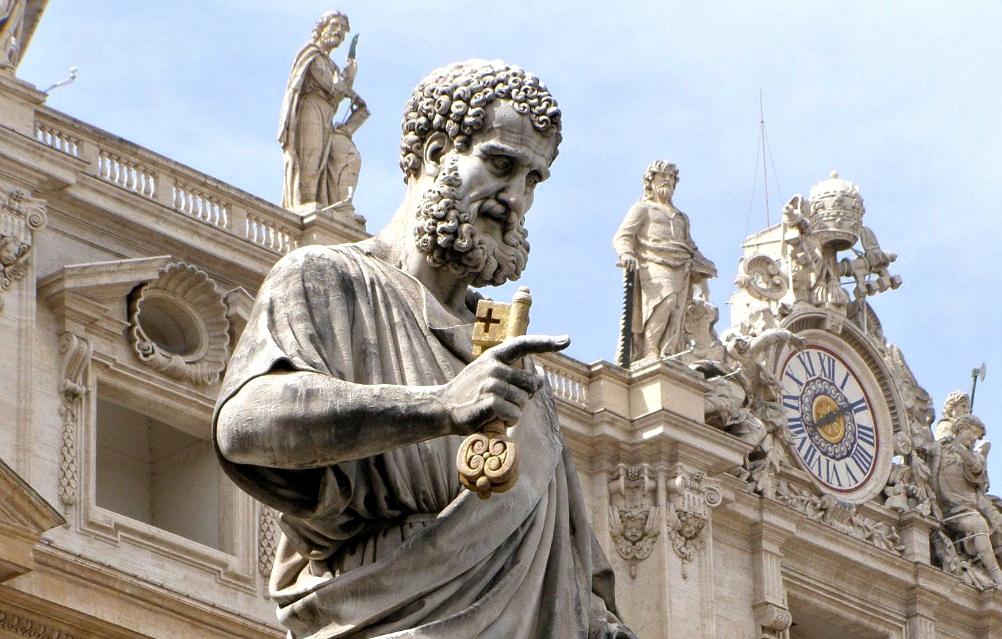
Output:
x=20 y=216
x=76 y=353
x=22 y=625
x=634 y=514
x=828 y=509
x=179 y=325
x=689 y=501
x=268 y=534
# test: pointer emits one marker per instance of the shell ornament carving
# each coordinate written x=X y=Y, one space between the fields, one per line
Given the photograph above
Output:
x=179 y=325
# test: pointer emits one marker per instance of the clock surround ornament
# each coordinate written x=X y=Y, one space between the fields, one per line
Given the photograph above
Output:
x=838 y=423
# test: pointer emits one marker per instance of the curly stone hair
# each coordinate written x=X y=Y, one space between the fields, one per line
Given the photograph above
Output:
x=954 y=400
x=328 y=18
x=453 y=100
x=658 y=166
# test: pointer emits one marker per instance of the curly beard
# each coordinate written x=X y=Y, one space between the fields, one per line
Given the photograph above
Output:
x=446 y=235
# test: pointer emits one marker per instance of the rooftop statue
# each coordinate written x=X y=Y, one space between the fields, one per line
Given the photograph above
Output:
x=11 y=26
x=960 y=476
x=955 y=405
x=350 y=390
x=321 y=161
x=668 y=271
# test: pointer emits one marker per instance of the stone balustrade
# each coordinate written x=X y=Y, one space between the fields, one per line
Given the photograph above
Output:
x=158 y=179
x=568 y=377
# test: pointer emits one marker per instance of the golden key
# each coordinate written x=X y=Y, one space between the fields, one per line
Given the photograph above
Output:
x=488 y=460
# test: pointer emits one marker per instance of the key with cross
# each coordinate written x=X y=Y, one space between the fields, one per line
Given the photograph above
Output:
x=488 y=460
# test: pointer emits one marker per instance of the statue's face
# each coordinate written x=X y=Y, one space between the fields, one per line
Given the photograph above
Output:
x=968 y=435
x=332 y=36
x=663 y=187
x=504 y=163
x=473 y=216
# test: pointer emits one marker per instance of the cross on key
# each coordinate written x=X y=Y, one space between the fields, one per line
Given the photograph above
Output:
x=488 y=319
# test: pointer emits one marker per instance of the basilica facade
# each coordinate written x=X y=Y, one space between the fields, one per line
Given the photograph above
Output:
x=778 y=479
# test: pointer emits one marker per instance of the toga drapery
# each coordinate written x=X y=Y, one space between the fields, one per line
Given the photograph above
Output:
x=390 y=546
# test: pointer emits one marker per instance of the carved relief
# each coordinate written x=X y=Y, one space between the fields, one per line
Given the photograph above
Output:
x=76 y=353
x=179 y=325
x=634 y=514
x=268 y=534
x=842 y=516
x=20 y=216
x=21 y=625
x=762 y=278
x=689 y=503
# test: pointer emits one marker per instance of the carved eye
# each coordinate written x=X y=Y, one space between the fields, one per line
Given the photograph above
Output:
x=502 y=163
x=532 y=180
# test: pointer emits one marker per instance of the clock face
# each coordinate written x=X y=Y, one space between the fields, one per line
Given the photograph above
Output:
x=833 y=420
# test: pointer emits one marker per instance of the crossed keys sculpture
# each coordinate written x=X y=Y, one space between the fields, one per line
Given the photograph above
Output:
x=488 y=460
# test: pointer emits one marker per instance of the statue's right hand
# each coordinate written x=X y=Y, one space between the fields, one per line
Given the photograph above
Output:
x=628 y=261
x=492 y=388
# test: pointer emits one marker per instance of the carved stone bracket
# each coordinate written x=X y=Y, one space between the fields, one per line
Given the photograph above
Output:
x=634 y=514
x=76 y=353
x=20 y=216
x=268 y=534
x=690 y=498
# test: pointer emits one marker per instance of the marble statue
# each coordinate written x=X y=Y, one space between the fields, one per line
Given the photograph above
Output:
x=11 y=25
x=960 y=476
x=321 y=160
x=350 y=390
x=956 y=404
x=654 y=243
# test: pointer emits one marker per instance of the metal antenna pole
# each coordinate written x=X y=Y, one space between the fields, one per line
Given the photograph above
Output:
x=765 y=177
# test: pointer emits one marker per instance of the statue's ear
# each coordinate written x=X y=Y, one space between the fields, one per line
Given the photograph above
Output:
x=435 y=147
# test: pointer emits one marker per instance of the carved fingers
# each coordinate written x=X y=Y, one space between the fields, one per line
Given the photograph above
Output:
x=492 y=388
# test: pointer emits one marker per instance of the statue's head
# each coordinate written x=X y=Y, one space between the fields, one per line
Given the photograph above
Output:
x=330 y=30
x=478 y=137
x=957 y=403
x=660 y=180
x=968 y=429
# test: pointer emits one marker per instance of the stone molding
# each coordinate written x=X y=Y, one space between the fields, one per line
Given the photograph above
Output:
x=24 y=517
x=76 y=352
x=20 y=217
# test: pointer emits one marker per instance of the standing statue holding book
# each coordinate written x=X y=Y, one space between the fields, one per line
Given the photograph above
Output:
x=363 y=367
x=321 y=160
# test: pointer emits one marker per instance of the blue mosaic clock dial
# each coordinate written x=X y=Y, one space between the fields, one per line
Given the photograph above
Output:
x=831 y=418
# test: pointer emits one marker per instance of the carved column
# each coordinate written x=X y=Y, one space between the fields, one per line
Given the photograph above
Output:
x=768 y=536
x=76 y=352
x=921 y=607
x=689 y=497
x=20 y=217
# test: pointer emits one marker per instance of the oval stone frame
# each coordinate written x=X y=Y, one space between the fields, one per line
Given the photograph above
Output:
x=178 y=325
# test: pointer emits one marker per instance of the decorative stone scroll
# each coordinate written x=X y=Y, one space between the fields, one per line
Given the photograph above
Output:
x=634 y=514
x=689 y=503
x=76 y=353
x=20 y=216
x=179 y=325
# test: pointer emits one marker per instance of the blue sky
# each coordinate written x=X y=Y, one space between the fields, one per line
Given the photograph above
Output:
x=900 y=97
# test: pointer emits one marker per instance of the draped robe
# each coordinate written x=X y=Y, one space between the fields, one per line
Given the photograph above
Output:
x=390 y=545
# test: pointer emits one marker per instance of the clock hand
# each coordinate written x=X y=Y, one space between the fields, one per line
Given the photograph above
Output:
x=831 y=416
